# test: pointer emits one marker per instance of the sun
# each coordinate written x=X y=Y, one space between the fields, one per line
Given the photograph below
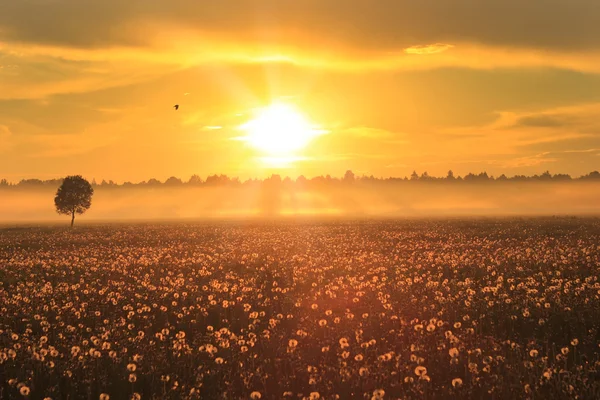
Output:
x=279 y=130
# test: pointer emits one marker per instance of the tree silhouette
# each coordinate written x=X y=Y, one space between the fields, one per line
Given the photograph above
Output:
x=195 y=180
x=153 y=182
x=594 y=175
x=74 y=196
x=173 y=181
x=349 y=177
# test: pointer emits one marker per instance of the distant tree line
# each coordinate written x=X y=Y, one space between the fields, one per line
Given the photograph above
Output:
x=348 y=178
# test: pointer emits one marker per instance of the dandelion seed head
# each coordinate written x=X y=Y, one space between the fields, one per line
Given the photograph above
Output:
x=24 y=390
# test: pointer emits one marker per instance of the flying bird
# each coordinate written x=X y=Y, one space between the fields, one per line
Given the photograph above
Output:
x=176 y=107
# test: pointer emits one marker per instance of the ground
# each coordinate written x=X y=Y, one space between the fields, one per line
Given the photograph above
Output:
x=483 y=308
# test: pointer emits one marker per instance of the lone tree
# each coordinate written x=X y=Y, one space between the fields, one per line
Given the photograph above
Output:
x=73 y=196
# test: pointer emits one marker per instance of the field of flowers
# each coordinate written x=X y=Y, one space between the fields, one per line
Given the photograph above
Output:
x=457 y=309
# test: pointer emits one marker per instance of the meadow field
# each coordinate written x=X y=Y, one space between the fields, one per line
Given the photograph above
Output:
x=412 y=309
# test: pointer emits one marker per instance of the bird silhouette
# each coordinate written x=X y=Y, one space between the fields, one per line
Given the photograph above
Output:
x=176 y=107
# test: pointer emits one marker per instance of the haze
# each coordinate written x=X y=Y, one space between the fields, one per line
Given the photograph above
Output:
x=362 y=200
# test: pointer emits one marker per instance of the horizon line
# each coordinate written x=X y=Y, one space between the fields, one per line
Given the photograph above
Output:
x=349 y=176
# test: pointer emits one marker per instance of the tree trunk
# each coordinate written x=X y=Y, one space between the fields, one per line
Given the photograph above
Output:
x=72 y=218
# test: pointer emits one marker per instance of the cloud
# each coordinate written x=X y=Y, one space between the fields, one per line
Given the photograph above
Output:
x=64 y=46
x=545 y=24
x=428 y=49
x=581 y=119
x=543 y=121
x=535 y=140
x=528 y=161
x=582 y=151
x=518 y=140
x=45 y=71
x=368 y=132
x=175 y=53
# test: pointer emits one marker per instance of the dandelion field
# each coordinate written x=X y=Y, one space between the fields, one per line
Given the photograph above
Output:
x=456 y=309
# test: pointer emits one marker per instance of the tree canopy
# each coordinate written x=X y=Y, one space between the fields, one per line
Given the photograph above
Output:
x=74 y=196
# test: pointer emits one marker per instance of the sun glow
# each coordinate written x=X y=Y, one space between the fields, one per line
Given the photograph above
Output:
x=279 y=131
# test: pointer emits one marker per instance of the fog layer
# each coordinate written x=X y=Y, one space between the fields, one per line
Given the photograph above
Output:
x=358 y=200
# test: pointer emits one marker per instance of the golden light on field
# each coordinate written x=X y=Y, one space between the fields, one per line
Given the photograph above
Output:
x=279 y=132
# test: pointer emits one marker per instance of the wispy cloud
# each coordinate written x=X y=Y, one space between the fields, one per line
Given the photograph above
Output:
x=528 y=161
x=552 y=138
x=351 y=156
x=368 y=132
x=543 y=121
x=582 y=151
x=428 y=49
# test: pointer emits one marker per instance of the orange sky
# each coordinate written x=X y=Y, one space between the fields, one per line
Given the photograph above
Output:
x=505 y=86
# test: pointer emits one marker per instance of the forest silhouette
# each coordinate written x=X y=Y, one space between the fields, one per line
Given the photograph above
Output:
x=275 y=179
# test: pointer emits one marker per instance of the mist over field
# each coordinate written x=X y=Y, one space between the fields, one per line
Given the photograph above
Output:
x=358 y=200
